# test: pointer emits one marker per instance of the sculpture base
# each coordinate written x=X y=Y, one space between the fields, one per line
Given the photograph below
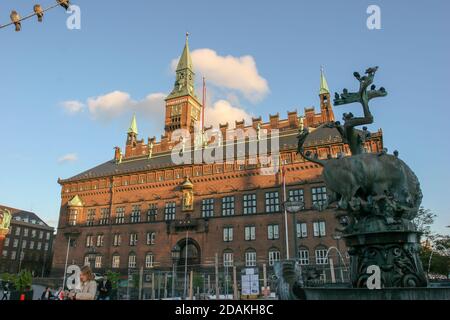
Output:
x=396 y=253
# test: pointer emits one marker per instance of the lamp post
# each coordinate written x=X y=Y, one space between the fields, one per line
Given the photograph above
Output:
x=294 y=207
x=175 y=258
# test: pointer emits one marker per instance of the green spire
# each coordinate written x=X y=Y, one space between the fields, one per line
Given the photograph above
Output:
x=185 y=80
x=133 y=126
x=323 y=83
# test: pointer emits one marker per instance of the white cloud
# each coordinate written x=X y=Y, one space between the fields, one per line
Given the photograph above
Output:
x=222 y=112
x=229 y=72
x=73 y=106
x=110 y=105
x=71 y=157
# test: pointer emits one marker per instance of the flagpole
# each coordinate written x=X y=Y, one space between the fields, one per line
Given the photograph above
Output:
x=285 y=210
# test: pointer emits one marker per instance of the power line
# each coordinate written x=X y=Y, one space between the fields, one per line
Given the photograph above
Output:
x=38 y=11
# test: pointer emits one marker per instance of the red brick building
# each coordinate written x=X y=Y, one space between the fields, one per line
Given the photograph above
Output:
x=131 y=211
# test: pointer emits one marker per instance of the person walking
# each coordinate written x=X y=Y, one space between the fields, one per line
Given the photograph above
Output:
x=105 y=288
x=47 y=294
x=5 y=291
x=88 y=289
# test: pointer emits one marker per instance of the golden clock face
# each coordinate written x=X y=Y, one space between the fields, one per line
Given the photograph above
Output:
x=176 y=110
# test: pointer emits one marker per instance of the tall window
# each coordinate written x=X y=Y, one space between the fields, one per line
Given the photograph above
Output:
x=273 y=232
x=117 y=240
x=207 y=208
x=274 y=256
x=319 y=229
x=132 y=260
x=228 y=234
x=228 y=259
x=116 y=261
x=249 y=201
x=25 y=232
x=272 y=202
x=297 y=195
x=250 y=233
x=90 y=219
x=169 y=211
x=136 y=214
x=152 y=212
x=89 y=241
x=250 y=258
x=104 y=216
x=120 y=215
x=319 y=196
x=303 y=256
x=151 y=238
x=100 y=239
x=321 y=256
x=149 y=260
x=41 y=235
x=228 y=206
x=302 y=230
x=33 y=233
x=133 y=239
x=98 y=262
x=73 y=215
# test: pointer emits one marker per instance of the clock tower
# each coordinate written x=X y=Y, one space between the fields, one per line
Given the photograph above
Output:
x=183 y=109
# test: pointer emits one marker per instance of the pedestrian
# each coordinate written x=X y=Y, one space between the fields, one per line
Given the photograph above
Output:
x=88 y=289
x=60 y=294
x=5 y=291
x=47 y=294
x=104 y=288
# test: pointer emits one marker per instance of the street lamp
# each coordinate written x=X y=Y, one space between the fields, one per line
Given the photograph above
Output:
x=294 y=207
x=175 y=258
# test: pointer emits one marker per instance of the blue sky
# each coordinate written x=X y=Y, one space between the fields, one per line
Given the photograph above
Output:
x=128 y=48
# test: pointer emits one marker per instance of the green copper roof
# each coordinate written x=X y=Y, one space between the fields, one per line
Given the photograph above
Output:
x=133 y=126
x=323 y=83
x=185 y=60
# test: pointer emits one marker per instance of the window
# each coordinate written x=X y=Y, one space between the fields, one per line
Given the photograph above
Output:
x=250 y=233
x=17 y=231
x=169 y=211
x=302 y=230
x=39 y=245
x=33 y=233
x=104 y=216
x=47 y=236
x=25 y=232
x=319 y=196
x=13 y=255
x=117 y=240
x=24 y=244
x=120 y=215
x=207 y=208
x=273 y=232
x=228 y=234
x=72 y=219
x=272 y=202
x=89 y=241
x=98 y=262
x=31 y=245
x=228 y=259
x=297 y=195
x=6 y=243
x=228 y=206
x=149 y=260
x=100 y=239
x=303 y=256
x=5 y=253
x=274 y=255
x=116 y=261
x=133 y=239
x=151 y=238
x=136 y=214
x=152 y=212
x=321 y=256
x=16 y=243
x=250 y=258
x=46 y=247
x=41 y=234
x=90 y=220
x=319 y=229
x=132 y=261
x=249 y=202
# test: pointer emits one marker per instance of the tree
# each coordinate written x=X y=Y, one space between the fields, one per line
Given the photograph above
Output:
x=423 y=222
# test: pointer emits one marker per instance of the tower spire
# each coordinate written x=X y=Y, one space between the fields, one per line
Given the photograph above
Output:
x=323 y=82
x=133 y=127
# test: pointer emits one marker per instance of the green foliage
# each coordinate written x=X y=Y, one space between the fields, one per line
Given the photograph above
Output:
x=440 y=259
x=197 y=281
x=21 y=281
x=114 y=278
x=424 y=221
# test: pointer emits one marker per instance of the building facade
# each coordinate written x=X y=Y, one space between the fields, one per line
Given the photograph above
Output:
x=136 y=210
x=29 y=244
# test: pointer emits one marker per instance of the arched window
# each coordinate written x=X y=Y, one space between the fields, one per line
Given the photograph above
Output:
x=303 y=256
x=228 y=258
x=149 y=260
x=116 y=261
x=132 y=260
x=321 y=255
x=274 y=256
x=250 y=258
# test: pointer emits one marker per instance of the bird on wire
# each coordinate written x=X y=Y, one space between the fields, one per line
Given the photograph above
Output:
x=39 y=12
x=15 y=18
x=64 y=3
